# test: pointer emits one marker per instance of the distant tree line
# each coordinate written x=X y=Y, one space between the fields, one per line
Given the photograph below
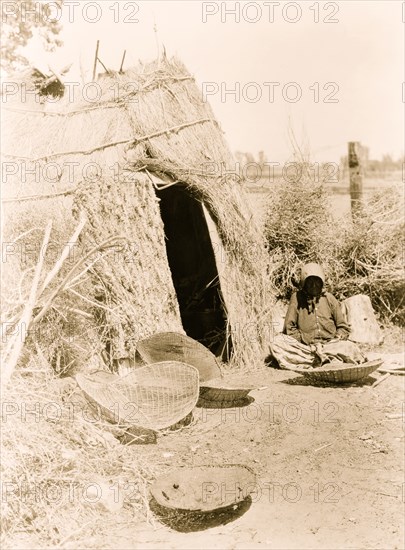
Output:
x=373 y=166
x=329 y=172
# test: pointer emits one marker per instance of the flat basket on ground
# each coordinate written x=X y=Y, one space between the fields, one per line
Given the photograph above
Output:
x=340 y=373
x=216 y=392
x=155 y=396
x=173 y=346
x=204 y=488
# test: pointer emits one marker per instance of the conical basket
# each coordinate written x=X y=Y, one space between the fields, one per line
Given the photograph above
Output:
x=172 y=346
x=155 y=397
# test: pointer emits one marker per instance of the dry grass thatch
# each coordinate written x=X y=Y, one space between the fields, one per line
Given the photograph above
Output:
x=101 y=160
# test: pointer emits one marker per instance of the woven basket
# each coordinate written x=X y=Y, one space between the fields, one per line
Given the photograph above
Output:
x=216 y=394
x=204 y=488
x=186 y=521
x=172 y=346
x=154 y=397
x=226 y=395
x=340 y=373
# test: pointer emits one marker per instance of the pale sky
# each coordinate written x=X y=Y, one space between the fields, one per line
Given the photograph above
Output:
x=359 y=56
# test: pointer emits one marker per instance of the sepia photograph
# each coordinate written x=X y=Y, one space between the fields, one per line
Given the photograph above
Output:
x=202 y=275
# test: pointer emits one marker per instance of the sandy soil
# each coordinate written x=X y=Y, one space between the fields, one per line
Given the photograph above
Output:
x=329 y=464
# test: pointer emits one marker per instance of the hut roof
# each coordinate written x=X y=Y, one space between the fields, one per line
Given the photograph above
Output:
x=151 y=111
x=107 y=146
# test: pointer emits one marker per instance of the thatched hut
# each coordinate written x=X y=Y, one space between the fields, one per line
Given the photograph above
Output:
x=175 y=248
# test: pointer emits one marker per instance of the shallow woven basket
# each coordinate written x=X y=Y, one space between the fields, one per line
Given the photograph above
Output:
x=204 y=488
x=155 y=397
x=217 y=391
x=340 y=373
x=223 y=398
x=172 y=346
x=186 y=521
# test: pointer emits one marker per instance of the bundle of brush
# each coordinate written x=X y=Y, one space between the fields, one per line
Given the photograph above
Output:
x=370 y=259
x=298 y=228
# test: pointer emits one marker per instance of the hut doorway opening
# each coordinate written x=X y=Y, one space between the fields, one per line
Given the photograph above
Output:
x=193 y=266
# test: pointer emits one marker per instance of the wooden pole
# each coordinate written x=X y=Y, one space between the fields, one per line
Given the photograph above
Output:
x=122 y=62
x=95 y=60
x=356 y=177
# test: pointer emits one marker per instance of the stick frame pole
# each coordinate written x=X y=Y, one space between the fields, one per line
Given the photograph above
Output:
x=95 y=60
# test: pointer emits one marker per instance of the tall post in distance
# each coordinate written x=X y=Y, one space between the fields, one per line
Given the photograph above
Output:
x=356 y=177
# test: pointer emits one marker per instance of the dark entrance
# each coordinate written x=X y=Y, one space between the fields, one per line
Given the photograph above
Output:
x=192 y=263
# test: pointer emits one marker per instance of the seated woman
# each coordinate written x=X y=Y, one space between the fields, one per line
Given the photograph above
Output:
x=315 y=331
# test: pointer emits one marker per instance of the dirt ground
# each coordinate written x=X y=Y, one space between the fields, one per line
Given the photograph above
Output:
x=328 y=459
x=329 y=463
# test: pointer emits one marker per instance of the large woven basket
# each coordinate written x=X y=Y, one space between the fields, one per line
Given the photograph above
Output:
x=204 y=488
x=155 y=397
x=172 y=346
x=340 y=373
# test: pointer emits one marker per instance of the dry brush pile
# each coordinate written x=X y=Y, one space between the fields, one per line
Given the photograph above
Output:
x=364 y=256
x=372 y=255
